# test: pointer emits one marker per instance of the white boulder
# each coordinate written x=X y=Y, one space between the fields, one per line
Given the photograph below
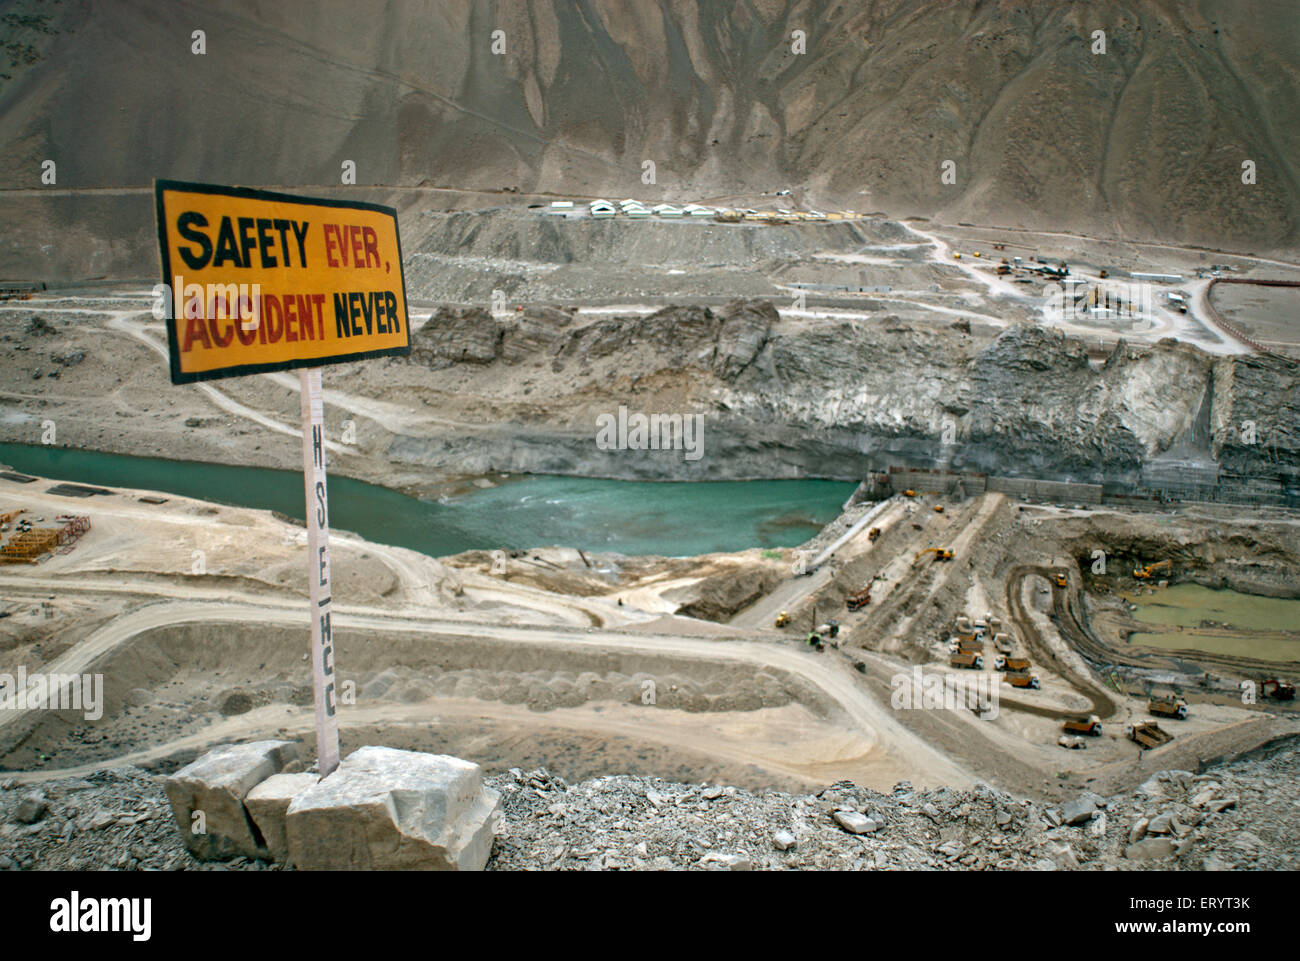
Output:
x=387 y=809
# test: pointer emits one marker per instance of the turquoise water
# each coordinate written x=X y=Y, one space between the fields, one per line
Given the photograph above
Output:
x=629 y=517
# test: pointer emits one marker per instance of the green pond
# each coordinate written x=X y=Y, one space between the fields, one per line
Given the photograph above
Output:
x=629 y=517
x=1271 y=625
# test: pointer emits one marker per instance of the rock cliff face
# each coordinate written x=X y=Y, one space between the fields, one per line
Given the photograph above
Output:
x=794 y=398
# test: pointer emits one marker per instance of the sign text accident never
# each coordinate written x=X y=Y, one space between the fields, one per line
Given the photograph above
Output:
x=260 y=281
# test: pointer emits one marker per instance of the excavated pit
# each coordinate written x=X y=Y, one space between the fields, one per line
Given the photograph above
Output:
x=178 y=684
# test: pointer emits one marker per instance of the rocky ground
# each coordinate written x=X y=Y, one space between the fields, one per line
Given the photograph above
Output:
x=1238 y=816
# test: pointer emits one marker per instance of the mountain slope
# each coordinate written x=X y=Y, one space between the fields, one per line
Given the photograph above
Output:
x=1144 y=141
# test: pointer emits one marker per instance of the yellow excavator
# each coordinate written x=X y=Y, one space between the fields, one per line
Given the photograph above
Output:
x=783 y=619
x=1144 y=573
x=940 y=554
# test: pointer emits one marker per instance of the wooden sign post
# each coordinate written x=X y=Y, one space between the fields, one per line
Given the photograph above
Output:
x=318 y=570
x=258 y=282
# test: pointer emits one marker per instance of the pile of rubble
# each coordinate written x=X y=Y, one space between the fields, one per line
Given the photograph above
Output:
x=1242 y=815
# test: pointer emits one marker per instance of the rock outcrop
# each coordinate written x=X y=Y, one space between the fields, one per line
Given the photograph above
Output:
x=839 y=399
x=1234 y=816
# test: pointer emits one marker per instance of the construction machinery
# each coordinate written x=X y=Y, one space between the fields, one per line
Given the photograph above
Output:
x=1278 y=690
x=782 y=619
x=1062 y=579
x=909 y=493
x=1168 y=706
x=938 y=508
x=819 y=635
x=20 y=290
x=1013 y=664
x=1147 y=734
x=859 y=600
x=1090 y=726
x=940 y=553
x=1144 y=573
x=1024 y=680
x=970 y=659
x=873 y=534
x=1002 y=642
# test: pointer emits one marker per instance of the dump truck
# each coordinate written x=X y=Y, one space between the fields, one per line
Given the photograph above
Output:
x=1090 y=726
x=1278 y=690
x=938 y=508
x=782 y=619
x=1015 y=664
x=969 y=659
x=1024 y=680
x=1144 y=573
x=859 y=600
x=1147 y=734
x=1003 y=644
x=970 y=644
x=1168 y=706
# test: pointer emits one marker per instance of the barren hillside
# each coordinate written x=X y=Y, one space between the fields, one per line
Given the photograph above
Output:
x=1146 y=140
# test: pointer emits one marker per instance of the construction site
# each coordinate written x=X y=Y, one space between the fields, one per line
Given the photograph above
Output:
x=961 y=530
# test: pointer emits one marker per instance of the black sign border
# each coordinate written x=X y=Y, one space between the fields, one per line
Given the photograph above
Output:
x=252 y=193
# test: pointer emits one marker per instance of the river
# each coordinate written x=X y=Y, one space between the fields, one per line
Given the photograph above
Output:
x=518 y=512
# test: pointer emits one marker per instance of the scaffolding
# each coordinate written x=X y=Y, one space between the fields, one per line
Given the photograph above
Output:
x=32 y=545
